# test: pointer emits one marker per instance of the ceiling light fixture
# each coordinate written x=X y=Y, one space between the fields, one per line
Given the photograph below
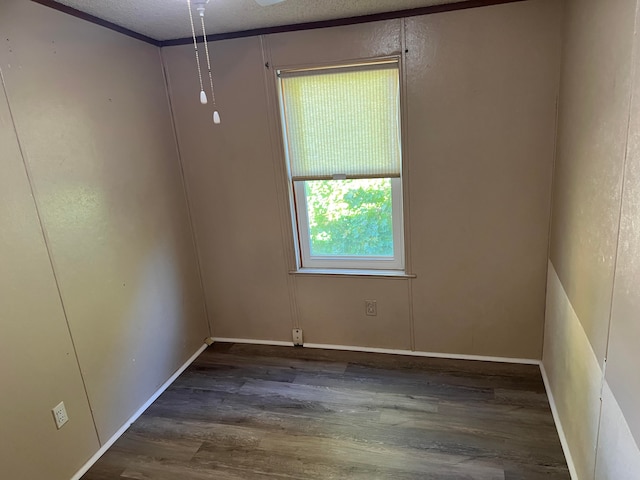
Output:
x=200 y=8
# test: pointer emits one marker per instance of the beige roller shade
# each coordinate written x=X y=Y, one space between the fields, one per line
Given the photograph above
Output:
x=343 y=122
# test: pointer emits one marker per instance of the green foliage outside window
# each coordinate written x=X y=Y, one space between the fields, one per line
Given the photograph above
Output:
x=350 y=217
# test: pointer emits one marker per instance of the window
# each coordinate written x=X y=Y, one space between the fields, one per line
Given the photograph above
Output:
x=342 y=138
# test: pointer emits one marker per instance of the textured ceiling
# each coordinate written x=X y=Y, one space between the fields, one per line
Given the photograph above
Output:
x=168 y=19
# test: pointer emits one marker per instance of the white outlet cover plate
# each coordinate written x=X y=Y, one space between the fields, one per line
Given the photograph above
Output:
x=371 y=308
x=60 y=415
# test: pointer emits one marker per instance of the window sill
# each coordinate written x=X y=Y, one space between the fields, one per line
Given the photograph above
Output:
x=352 y=273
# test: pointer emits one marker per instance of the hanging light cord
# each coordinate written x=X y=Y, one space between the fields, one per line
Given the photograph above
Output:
x=206 y=51
x=195 y=45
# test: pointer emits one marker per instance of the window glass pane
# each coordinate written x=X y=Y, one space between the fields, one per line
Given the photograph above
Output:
x=350 y=217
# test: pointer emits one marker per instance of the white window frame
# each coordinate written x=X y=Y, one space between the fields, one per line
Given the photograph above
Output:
x=300 y=217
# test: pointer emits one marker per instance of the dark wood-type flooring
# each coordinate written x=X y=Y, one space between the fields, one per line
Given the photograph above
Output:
x=261 y=412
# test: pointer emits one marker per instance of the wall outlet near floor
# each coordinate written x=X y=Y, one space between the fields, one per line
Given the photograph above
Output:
x=297 y=337
x=371 y=308
x=60 y=415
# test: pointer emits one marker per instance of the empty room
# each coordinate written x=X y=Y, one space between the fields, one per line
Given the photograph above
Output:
x=302 y=239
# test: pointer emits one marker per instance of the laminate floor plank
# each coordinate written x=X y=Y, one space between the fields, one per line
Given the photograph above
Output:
x=232 y=436
x=256 y=412
x=375 y=382
x=498 y=373
x=138 y=444
x=336 y=398
x=319 y=458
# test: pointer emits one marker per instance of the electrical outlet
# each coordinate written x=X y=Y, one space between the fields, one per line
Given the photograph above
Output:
x=371 y=308
x=60 y=415
x=297 y=337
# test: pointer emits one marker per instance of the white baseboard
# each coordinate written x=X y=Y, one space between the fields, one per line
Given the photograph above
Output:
x=135 y=416
x=389 y=351
x=278 y=343
x=556 y=419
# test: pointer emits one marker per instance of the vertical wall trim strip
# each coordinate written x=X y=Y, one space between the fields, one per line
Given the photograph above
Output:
x=279 y=177
x=553 y=179
x=185 y=190
x=550 y=222
x=406 y=177
x=47 y=244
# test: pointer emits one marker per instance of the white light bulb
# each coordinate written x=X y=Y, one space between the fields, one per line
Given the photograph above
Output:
x=203 y=97
x=216 y=117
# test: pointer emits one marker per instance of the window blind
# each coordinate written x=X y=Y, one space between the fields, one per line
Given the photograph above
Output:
x=343 y=122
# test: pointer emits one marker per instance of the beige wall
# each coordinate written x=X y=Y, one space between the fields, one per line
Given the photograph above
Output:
x=594 y=250
x=592 y=131
x=480 y=93
x=574 y=376
x=38 y=367
x=92 y=117
x=482 y=87
x=231 y=183
x=623 y=355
